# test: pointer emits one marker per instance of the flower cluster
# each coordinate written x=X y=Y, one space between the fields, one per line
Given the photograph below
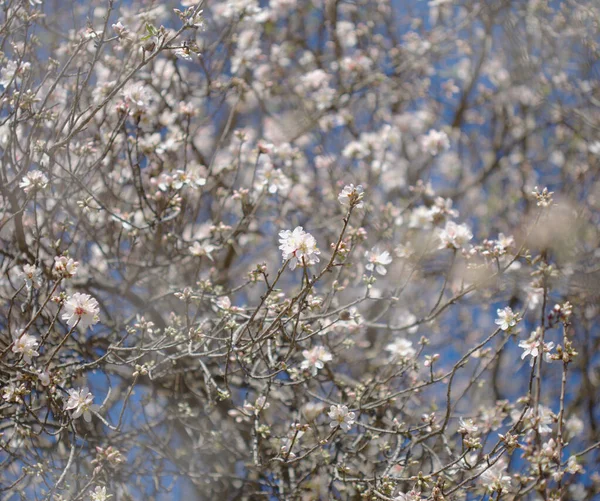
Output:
x=299 y=247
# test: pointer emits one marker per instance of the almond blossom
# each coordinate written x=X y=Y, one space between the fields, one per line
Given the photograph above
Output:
x=341 y=416
x=34 y=180
x=435 y=142
x=65 y=266
x=80 y=402
x=378 y=260
x=299 y=247
x=352 y=196
x=506 y=318
x=26 y=344
x=454 y=236
x=401 y=348
x=315 y=359
x=533 y=347
x=81 y=310
x=32 y=276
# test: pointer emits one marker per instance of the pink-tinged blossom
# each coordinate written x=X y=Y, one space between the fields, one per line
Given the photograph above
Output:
x=80 y=402
x=340 y=416
x=506 y=318
x=34 y=180
x=119 y=29
x=299 y=247
x=315 y=359
x=81 y=310
x=467 y=427
x=454 y=236
x=377 y=260
x=65 y=267
x=26 y=344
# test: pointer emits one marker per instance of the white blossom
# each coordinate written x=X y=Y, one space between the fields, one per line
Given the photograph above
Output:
x=299 y=247
x=435 y=142
x=81 y=403
x=495 y=478
x=202 y=249
x=454 y=236
x=13 y=69
x=340 y=416
x=65 y=267
x=467 y=426
x=119 y=29
x=100 y=494
x=421 y=217
x=315 y=359
x=351 y=196
x=506 y=318
x=81 y=310
x=401 y=348
x=13 y=392
x=32 y=275
x=273 y=179
x=26 y=344
x=34 y=180
x=533 y=346
x=378 y=260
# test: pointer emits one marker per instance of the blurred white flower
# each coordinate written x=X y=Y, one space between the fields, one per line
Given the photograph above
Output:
x=315 y=359
x=13 y=69
x=495 y=478
x=421 y=217
x=401 y=348
x=435 y=142
x=34 y=180
x=454 y=236
x=202 y=249
x=378 y=260
x=273 y=179
x=119 y=29
x=100 y=494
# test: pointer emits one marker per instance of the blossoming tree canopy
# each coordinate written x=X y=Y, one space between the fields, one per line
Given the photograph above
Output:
x=299 y=250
